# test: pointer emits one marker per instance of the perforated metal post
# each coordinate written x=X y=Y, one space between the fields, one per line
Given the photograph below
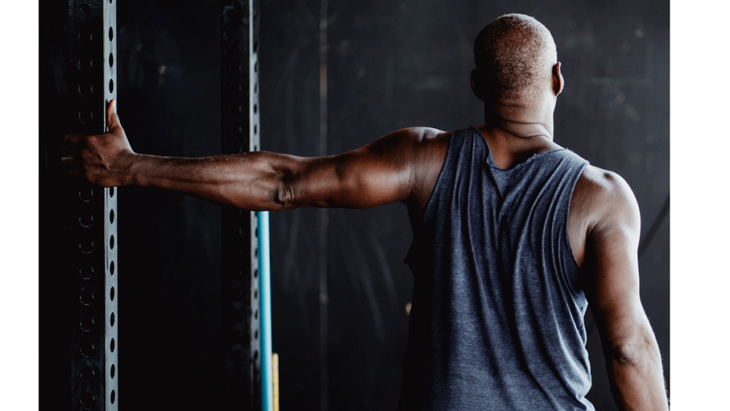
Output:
x=93 y=219
x=240 y=133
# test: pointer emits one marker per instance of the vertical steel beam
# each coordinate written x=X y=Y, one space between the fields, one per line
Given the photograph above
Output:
x=240 y=133
x=92 y=212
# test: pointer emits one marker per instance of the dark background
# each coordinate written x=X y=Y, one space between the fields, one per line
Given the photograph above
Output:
x=391 y=64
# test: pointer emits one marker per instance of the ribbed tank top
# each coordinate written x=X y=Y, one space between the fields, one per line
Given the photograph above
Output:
x=497 y=313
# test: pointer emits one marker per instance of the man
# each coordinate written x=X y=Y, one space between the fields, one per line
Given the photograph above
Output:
x=513 y=236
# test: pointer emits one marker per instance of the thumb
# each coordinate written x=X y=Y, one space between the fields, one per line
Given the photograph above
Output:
x=112 y=118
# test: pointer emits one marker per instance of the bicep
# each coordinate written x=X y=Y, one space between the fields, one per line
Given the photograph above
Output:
x=375 y=174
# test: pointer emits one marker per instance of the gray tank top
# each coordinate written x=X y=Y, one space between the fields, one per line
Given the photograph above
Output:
x=497 y=312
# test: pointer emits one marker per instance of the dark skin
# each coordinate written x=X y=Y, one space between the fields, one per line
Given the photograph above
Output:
x=603 y=223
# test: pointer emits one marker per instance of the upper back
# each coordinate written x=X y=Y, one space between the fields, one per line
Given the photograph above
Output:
x=503 y=155
x=492 y=265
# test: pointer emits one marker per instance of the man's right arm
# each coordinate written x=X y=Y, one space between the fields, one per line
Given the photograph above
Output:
x=611 y=274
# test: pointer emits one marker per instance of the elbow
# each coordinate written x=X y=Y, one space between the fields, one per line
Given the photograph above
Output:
x=625 y=354
x=284 y=196
x=634 y=352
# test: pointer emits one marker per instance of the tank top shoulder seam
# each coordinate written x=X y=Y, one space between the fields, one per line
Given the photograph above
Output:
x=428 y=211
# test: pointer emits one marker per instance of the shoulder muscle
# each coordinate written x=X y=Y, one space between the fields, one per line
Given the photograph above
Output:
x=612 y=204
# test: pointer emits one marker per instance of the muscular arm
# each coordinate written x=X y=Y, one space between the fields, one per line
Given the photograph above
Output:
x=378 y=173
x=611 y=275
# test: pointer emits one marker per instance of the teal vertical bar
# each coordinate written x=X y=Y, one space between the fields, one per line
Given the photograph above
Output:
x=267 y=395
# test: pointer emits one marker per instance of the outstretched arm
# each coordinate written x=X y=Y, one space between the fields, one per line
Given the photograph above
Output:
x=378 y=173
x=611 y=272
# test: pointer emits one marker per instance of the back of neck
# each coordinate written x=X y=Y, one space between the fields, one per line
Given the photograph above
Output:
x=513 y=137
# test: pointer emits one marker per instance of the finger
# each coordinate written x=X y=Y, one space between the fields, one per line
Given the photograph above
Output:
x=67 y=150
x=73 y=138
x=69 y=161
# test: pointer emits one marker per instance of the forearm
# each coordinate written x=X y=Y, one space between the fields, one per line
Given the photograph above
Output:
x=250 y=181
x=635 y=371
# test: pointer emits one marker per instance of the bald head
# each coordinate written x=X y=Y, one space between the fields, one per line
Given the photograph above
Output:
x=514 y=56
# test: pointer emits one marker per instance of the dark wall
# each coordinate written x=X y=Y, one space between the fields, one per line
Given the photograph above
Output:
x=391 y=64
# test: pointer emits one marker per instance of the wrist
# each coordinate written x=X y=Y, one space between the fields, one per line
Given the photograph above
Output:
x=131 y=174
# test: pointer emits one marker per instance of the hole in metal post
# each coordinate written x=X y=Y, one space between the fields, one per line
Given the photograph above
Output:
x=86 y=272
x=111 y=242
x=86 y=90
x=236 y=108
x=236 y=66
x=256 y=273
x=112 y=345
x=86 y=220
x=111 y=59
x=87 y=296
x=111 y=192
x=236 y=87
x=111 y=33
x=111 y=294
x=113 y=397
x=111 y=216
x=255 y=46
x=86 y=194
x=111 y=268
x=87 y=323
x=112 y=371
x=87 y=348
x=87 y=400
x=86 y=246
x=255 y=108
x=88 y=374
x=238 y=316
x=85 y=62
x=86 y=117
x=238 y=275
x=111 y=320
x=237 y=357
x=237 y=336
x=111 y=86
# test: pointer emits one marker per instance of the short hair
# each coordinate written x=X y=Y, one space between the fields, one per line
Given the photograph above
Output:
x=514 y=54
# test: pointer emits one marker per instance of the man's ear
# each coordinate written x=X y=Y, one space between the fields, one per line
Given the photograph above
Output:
x=474 y=80
x=558 y=80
